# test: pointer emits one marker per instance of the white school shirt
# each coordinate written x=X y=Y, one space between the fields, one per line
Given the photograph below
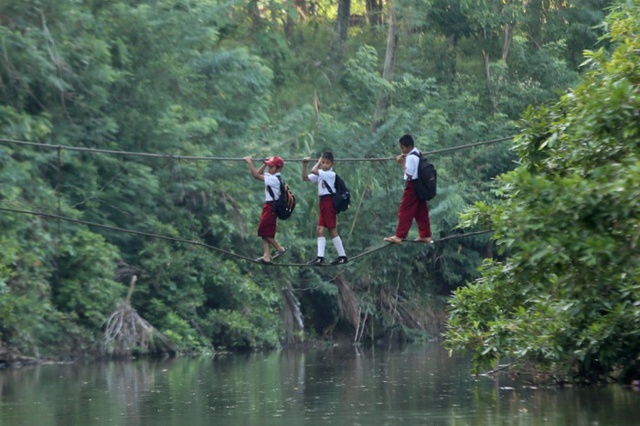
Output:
x=324 y=178
x=411 y=165
x=273 y=182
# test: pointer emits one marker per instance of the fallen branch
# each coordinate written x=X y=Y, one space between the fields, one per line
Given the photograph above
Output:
x=127 y=332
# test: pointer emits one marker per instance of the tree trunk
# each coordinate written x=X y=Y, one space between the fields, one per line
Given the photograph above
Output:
x=535 y=10
x=289 y=22
x=374 y=12
x=254 y=13
x=293 y=321
x=506 y=43
x=342 y=25
x=301 y=7
x=490 y=104
x=387 y=73
x=297 y=11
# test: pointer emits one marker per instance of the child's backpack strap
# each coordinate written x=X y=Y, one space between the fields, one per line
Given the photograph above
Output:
x=425 y=183
x=341 y=195
x=286 y=203
x=329 y=188
x=273 y=197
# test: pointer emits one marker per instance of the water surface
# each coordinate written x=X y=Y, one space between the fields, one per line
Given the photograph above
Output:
x=415 y=385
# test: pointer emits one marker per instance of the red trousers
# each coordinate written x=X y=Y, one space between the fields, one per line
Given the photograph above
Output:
x=268 y=221
x=412 y=208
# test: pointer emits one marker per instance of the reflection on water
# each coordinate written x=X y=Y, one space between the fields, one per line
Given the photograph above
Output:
x=417 y=385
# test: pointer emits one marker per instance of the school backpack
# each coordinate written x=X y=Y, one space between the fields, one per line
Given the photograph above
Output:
x=426 y=183
x=286 y=203
x=341 y=197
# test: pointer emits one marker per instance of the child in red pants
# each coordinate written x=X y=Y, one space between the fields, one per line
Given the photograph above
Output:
x=410 y=207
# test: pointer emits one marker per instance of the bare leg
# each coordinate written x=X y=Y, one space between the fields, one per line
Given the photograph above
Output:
x=273 y=243
x=265 y=249
x=333 y=232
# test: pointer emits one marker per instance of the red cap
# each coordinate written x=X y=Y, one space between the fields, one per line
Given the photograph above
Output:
x=275 y=161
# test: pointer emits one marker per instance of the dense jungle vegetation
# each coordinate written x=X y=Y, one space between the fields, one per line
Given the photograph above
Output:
x=207 y=78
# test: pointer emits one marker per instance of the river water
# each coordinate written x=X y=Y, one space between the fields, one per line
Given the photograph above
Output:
x=414 y=385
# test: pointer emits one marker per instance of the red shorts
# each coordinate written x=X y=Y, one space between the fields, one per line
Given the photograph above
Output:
x=268 y=221
x=327 y=217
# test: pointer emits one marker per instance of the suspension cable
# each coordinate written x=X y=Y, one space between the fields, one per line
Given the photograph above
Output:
x=217 y=249
x=207 y=158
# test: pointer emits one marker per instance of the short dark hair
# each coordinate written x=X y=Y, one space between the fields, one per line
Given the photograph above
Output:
x=406 y=140
x=328 y=155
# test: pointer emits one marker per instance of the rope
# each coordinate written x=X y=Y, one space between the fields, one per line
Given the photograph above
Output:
x=197 y=158
x=129 y=231
x=58 y=217
x=217 y=249
x=108 y=151
x=471 y=145
x=441 y=240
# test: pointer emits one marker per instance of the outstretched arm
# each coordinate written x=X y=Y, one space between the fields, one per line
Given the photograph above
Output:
x=305 y=174
x=256 y=173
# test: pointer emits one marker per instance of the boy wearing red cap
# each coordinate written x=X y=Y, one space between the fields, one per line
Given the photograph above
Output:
x=268 y=218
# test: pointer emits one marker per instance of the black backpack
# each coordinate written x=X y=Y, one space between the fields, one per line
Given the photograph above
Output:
x=426 y=184
x=342 y=197
x=286 y=203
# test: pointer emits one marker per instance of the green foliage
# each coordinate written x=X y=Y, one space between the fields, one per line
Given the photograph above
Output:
x=236 y=84
x=226 y=80
x=83 y=284
x=242 y=330
x=182 y=334
x=567 y=296
x=362 y=78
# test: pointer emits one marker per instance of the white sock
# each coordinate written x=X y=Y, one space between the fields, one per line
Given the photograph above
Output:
x=337 y=242
x=322 y=242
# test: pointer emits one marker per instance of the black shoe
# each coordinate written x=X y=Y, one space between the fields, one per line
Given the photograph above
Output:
x=317 y=261
x=340 y=260
x=263 y=261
